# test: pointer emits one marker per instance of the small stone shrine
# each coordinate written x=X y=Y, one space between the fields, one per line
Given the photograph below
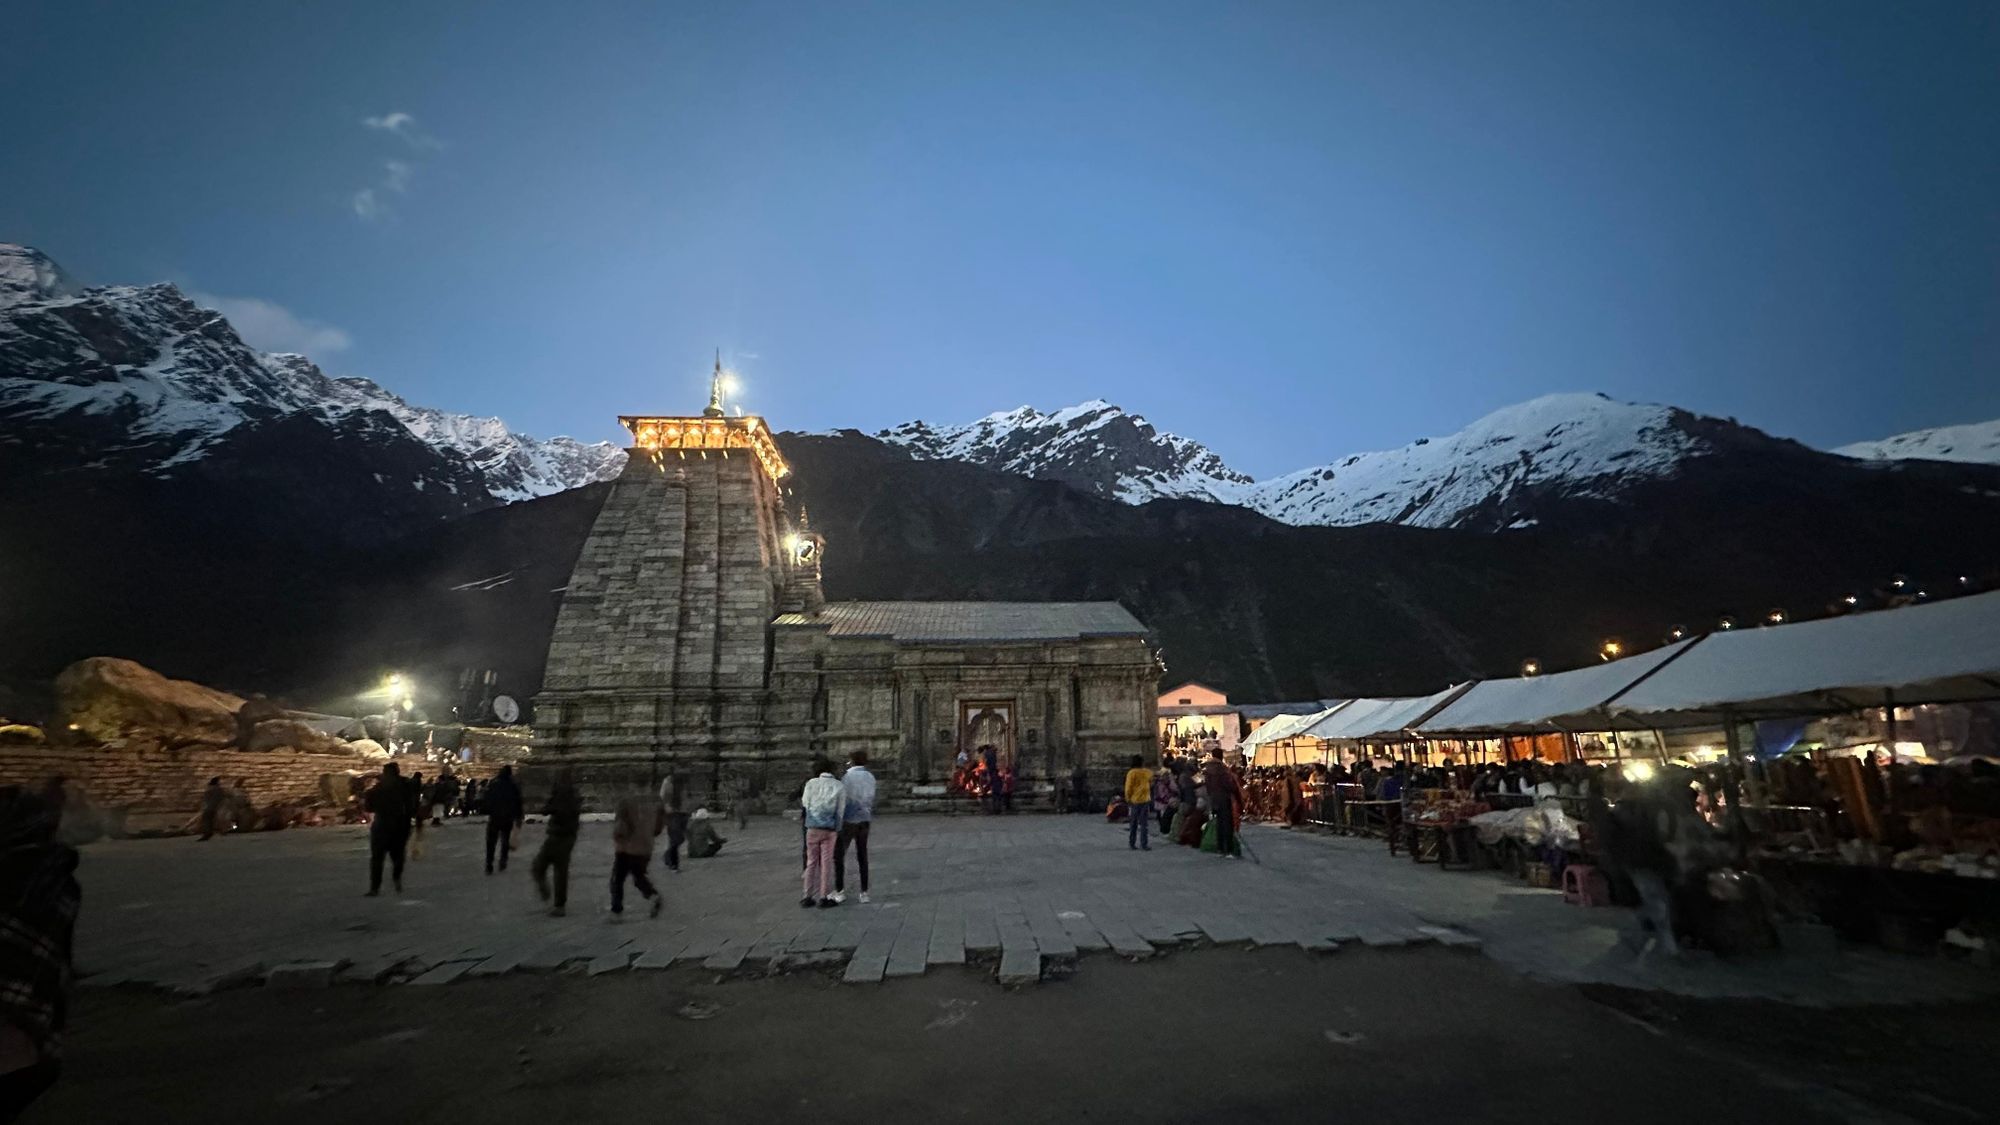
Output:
x=694 y=638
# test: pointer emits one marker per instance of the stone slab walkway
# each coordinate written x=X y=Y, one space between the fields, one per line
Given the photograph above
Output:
x=1009 y=895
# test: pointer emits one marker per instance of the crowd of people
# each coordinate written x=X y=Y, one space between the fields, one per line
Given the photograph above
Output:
x=1195 y=802
x=980 y=774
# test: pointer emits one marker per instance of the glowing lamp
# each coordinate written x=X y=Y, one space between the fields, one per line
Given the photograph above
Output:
x=1531 y=667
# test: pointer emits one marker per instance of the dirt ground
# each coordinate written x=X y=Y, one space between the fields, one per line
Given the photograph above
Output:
x=1205 y=1035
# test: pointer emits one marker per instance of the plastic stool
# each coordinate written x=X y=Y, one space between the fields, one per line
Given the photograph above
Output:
x=1582 y=884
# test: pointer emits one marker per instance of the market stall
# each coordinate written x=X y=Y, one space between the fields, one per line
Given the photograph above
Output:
x=1887 y=818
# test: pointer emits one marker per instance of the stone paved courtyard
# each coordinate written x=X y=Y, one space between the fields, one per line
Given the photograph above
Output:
x=1012 y=896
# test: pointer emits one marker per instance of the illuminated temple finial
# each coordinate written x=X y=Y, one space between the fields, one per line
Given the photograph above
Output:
x=715 y=390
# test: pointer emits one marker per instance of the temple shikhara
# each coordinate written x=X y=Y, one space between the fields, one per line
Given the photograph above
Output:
x=695 y=637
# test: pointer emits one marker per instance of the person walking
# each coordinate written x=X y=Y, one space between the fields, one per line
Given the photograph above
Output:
x=1225 y=798
x=564 y=810
x=1190 y=812
x=421 y=793
x=859 y=785
x=446 y=795
x=1139 y=799
x=503 y=815
x=390 y=808
x=1079 y=789
x=673 y=791
x=637 y=825
x=824 y=803
x=213 y=799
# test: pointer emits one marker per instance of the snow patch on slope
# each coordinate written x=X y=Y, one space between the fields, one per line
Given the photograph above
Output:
x=1975 y=443
x=1584 y=444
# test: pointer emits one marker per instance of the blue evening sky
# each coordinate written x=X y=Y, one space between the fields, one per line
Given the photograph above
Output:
x=1290 y=231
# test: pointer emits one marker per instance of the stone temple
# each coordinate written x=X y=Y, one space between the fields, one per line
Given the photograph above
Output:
x=694 y=638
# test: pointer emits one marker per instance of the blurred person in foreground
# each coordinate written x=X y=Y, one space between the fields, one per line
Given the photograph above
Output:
x=39 y=897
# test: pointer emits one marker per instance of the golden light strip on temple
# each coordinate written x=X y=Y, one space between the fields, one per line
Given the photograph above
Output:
x=659 y=433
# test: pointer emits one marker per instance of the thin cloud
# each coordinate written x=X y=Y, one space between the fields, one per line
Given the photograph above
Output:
x=371 y=203
x=271 y=327
x=402 y=126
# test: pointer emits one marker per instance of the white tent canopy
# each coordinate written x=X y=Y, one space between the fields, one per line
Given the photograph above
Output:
x=1533 y=704
x=1264 y=751
x=1283 y=727
x=1379 y=718
x=1942 y=652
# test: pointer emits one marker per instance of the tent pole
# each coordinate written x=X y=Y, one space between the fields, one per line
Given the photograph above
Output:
x=1732 y=784
x=1889 y=717
x=1660 y=745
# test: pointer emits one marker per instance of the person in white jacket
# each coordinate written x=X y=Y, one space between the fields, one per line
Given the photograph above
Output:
x=825 y=804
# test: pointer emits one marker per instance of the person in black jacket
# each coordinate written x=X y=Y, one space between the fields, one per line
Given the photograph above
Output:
x=391 y=807
x=503 y=812
x=564 y=810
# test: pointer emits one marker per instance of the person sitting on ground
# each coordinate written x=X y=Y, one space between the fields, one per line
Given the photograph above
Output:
x=703 y=840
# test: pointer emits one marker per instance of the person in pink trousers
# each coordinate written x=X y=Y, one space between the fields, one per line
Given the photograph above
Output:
x=824 y=803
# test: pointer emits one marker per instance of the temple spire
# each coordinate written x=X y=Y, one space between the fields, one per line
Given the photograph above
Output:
x=715 y=390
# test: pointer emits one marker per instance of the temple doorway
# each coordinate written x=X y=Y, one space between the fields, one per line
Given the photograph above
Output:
x=984 y=723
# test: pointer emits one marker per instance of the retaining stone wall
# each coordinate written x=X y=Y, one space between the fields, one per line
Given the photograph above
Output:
x=150 y=780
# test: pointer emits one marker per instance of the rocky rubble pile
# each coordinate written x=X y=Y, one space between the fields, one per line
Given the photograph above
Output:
x=109 y=701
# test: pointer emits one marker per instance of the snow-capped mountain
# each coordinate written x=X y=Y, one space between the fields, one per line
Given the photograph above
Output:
x=1977 y=443
x=1492 y=473
x=1486 y=476
x=140 y=377
x=1094 y=446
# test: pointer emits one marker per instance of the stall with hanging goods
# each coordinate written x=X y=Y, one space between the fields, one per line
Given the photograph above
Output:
x=1890 y=852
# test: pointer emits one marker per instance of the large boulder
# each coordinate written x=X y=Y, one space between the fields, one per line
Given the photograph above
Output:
x=103 y=698
x=292 y=734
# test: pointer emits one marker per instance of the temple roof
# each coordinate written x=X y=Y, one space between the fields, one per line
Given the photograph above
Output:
x=968 y=622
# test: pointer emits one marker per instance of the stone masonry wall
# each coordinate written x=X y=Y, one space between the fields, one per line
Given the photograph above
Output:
x=164 y=786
